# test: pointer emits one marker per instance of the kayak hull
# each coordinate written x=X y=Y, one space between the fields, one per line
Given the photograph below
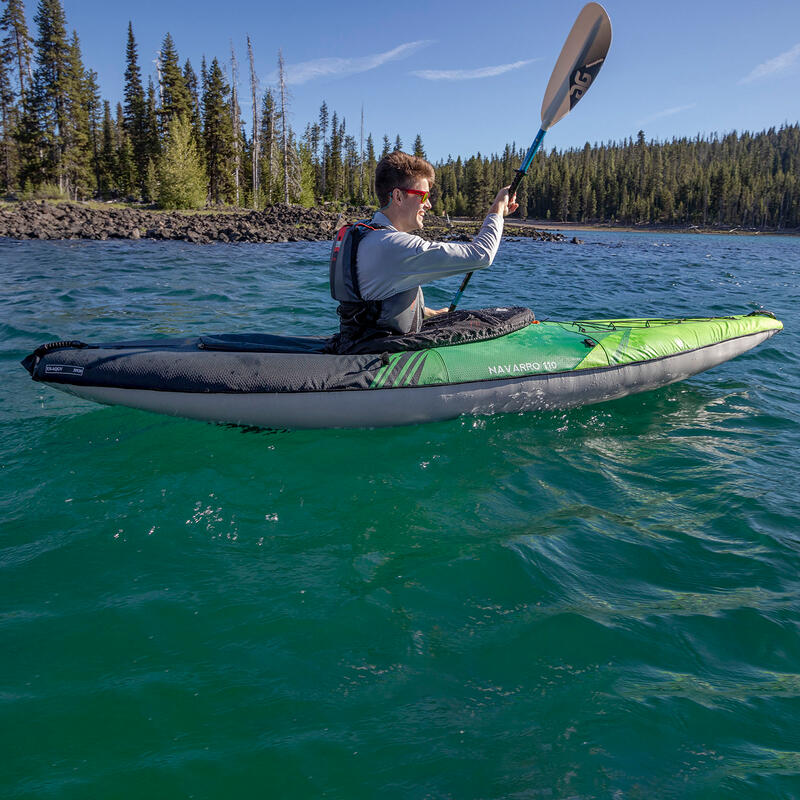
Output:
x=384 y=407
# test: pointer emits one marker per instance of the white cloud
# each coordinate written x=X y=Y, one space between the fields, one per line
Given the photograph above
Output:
x=774 y=66
x=668 y=112
x=340 y=67
x=469 y=74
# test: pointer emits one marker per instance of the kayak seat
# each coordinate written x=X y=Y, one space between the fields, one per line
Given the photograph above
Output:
x=456 y=327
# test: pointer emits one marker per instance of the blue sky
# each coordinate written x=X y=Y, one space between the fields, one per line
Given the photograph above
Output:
x=469 y=76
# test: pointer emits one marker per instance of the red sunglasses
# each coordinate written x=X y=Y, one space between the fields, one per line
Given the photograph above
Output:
x=423 y=196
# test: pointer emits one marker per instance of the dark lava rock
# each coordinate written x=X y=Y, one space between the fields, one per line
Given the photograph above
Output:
x=440 y=230
x=278 y=223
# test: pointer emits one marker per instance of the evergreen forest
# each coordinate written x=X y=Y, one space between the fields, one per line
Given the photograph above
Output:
x=179 y=140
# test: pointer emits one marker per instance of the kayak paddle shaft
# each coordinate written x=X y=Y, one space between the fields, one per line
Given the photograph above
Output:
x=521 y=172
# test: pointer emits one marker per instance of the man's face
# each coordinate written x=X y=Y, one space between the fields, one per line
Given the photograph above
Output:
x=411 y=211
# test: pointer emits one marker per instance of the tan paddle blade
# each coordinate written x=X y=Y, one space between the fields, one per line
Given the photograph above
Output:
x=581 y=58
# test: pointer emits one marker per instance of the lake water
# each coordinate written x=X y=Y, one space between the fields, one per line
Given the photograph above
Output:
x=599 y=603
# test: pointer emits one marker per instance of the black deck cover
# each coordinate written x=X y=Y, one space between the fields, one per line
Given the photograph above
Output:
x=241 y=363
x=187 y=367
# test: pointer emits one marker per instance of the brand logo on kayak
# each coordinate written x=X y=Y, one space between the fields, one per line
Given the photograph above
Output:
x=526 y=366
x=62 y=369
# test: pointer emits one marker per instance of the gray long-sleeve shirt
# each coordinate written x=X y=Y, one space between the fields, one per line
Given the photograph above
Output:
x=392 y=265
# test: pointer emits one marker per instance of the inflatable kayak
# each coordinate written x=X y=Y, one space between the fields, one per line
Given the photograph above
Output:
x=479 y=362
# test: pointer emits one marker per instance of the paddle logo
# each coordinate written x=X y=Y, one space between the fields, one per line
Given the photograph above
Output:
x=582 y=80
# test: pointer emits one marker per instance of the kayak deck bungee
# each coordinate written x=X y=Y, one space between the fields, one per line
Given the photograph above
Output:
x=290 y=382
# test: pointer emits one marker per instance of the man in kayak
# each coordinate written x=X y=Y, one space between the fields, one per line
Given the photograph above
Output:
x=377 y=266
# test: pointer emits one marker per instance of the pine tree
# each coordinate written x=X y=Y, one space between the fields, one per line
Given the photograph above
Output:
x=151 y=131
x=305 y=193
x=75 y=134
x=29 y=142
x=323 y=127
x=107 y=160
x=313 y=136
x=351 y=165
x=269 y=150
x=218 y=135
x=477 y=190
x=182 y=180
x=8 y=145
x=15 y=78
x=419 y=150
x=175 y=98
x=193 y=88
x=125 y=176
x=15 y=48
x=48 y=102
x=93 y=110
x=369 y=166
x=135 y=111
x=335 y=166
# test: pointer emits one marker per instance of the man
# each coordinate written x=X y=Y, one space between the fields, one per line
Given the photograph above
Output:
x=377 y=267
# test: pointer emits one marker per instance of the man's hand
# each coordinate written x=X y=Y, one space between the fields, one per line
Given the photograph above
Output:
x=433 y=312
x=503 y=204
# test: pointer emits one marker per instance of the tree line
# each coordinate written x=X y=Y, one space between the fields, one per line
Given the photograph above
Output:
x=748 y=180
x=181 y=141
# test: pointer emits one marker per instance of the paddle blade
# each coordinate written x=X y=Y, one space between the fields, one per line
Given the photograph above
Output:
x=581 y=58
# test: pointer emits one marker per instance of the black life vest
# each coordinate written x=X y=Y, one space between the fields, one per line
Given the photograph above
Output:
x=358 y=318
x=343 y=271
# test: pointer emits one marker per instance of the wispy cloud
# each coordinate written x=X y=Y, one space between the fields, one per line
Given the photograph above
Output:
x=341 y=67
x=774 y=66
x=668 y=112
x=469 y=74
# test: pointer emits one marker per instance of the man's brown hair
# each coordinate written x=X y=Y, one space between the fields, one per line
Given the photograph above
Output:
x=399 y=170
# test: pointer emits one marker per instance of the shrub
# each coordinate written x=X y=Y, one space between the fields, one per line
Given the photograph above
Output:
x=182 y=181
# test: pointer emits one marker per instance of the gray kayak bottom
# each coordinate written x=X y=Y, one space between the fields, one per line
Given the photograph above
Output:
x=406 y=406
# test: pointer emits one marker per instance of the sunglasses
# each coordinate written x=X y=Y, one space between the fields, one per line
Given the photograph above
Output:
x=423 y=196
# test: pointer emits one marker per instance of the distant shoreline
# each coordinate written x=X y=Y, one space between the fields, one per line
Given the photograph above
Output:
x=567 y=227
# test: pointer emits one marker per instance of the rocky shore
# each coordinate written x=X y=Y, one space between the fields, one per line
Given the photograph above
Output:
x=280 y=223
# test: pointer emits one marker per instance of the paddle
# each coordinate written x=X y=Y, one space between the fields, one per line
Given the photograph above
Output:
x=581 y=57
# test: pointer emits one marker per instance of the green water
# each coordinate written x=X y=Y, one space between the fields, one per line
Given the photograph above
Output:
x=600 y=603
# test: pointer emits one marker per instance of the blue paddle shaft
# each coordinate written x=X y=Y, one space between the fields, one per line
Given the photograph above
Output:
x=523 y=169
x=528 y=160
